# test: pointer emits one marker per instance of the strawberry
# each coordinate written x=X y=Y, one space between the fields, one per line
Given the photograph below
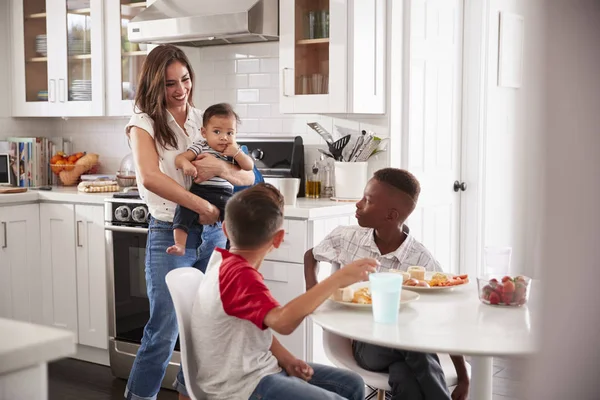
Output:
x=507 y=298
x=521 y=279
x=493 y=283
x=486 y=291
x=506 y=279
x=520 y=293
x=509 y=287
x=494 y=298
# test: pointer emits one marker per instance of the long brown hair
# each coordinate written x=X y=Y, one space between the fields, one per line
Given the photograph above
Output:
x=150 y=97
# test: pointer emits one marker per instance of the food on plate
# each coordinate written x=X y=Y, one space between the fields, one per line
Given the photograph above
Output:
x=417 y=272
x=405 y=275
x=438 y=280
x=344 y=294
x=508 y=291
x=423 y=284
x=362 y=296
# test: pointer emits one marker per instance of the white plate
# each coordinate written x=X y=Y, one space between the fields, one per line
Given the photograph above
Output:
x=428 y=276
x=405 y=297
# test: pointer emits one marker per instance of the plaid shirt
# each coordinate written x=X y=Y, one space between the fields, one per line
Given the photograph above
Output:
x=349 y=243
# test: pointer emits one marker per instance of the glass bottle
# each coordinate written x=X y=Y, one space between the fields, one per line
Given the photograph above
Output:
x=327 y=168
x=313 y=182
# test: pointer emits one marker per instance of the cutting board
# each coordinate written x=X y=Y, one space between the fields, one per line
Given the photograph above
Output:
x=12 y=190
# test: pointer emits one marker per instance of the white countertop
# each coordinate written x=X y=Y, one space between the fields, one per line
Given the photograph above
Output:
x=454 y=322
x=304 y=209
x=23 y=344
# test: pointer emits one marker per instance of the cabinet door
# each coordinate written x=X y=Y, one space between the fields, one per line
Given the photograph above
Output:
x=57 y=227
x=33 y=90
x=286 y=282
x=77 y=27
x=124 y=60
x=20 y=269
x=313 y=56
x=91 y=276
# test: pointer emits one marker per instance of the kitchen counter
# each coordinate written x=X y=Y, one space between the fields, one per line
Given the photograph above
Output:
x=304 y=209
x=23 y=345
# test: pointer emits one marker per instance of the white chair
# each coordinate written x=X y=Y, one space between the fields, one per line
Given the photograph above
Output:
x=183 y=284
x=339 y=351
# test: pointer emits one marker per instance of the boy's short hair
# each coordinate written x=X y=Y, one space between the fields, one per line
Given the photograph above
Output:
x=219 y=110
x=254 y=215
x=401 y=179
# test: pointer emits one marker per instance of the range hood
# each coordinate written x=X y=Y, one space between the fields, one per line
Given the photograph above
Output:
x=206 y=22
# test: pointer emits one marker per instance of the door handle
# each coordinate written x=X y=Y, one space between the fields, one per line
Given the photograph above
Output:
x=61 y=90
x=78 y=241
x=52 y=91
x=287 y=84
x=5 y=245
x=460 y=186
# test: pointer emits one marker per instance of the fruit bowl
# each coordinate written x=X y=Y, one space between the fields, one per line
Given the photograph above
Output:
x=69 y=172
x=504 y=291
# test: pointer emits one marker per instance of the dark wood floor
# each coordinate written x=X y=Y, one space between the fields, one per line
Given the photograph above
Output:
x=78 y=380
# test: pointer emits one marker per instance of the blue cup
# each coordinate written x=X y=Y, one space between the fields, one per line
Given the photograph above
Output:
x=386 y=289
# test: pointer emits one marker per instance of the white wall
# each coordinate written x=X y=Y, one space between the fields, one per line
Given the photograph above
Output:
x=512 y=140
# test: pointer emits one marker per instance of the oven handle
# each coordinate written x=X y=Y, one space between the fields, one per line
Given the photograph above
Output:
x=131 y=229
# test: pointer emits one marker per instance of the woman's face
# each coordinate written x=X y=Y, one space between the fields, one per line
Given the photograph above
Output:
x=178 y=85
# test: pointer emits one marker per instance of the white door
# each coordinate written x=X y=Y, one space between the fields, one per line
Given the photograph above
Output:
x=57 y=228
x=124 y=59
x=432 y=150
x=20 y=270
x=92 y=300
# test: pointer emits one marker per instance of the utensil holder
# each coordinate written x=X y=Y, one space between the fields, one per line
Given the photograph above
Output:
x=350 y=180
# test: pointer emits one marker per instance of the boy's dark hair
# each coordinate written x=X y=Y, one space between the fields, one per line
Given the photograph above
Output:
x=254 y=215
x=219 y=110
x=401 y=179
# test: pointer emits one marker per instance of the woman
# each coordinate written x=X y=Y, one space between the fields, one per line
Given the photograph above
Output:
x=165 y=124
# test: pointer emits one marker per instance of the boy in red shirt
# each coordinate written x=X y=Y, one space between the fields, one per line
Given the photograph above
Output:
x=239 y=358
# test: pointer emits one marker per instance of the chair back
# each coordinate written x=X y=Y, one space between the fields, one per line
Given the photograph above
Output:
x=183 y=285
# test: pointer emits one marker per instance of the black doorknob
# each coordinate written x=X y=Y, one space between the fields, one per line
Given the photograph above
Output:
x=460 y=186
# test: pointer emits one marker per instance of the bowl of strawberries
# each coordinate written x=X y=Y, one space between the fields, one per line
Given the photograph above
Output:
x=504 y=291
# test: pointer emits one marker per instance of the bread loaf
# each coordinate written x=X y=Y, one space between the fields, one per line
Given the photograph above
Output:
x=417 y=273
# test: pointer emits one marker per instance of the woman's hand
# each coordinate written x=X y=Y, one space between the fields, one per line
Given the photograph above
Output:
x=208 y=167
x=209 y=215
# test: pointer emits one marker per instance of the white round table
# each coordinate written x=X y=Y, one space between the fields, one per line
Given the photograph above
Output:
x=453 y=322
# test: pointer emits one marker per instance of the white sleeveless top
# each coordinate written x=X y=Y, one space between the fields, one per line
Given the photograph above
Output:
x=159 y=208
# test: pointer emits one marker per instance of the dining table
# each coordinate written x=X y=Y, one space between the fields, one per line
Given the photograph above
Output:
x=452 y=321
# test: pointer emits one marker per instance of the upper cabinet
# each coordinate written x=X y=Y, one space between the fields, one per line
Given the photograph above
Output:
x=71 y=57
x=332 y=56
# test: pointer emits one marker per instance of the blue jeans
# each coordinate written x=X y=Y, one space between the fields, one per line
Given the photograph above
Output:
x=327 y=383
x=160 y=333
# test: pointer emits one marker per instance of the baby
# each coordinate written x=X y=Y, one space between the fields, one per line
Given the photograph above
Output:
x=218 y=131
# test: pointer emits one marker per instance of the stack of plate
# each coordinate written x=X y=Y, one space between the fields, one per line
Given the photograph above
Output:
x=41 y=45
x=78 y=46
x=81 y=90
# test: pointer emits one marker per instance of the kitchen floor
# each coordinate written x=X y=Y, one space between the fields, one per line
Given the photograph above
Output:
x=75 y=380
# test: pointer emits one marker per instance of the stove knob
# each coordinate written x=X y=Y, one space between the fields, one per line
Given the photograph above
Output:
x=123 y=214
x=140 y=214
x=257 y=154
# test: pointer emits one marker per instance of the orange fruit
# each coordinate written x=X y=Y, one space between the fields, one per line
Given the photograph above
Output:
x=72 y=158
x=55 y=158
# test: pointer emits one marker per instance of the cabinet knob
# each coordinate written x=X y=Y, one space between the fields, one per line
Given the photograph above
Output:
x=460 y=186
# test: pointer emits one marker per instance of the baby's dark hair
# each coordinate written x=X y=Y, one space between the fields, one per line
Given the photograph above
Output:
x=219 y=110
x=401 y=179
x=253 y=216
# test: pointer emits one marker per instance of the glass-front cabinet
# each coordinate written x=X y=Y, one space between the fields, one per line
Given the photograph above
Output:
x=72 y=57
x=58 y=58
x=124 y=58
x=332 y=56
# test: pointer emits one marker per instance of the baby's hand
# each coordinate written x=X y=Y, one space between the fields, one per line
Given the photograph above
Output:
x=231 y=150
x=190 y=170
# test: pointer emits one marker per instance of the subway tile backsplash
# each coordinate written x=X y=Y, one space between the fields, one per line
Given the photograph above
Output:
x=244 y=75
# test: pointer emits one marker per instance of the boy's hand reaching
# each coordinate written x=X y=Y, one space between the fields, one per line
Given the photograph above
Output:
x=356 y=271
x=299 y=369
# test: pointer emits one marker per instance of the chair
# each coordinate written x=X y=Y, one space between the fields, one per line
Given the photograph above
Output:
x=339 y=351
x=183 y=284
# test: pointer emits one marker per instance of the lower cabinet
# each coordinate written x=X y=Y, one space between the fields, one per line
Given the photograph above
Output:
x=74 y=271
x=20 y=268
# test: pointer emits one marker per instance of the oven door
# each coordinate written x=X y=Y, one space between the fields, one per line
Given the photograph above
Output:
x=129 y=308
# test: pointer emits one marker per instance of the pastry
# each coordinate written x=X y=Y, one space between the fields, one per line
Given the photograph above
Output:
x=417 y=273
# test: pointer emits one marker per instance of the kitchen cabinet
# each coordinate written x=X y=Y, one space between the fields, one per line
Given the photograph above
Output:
x=20 y=268
x=332 y=56
x=74 y=270
x=61 y=50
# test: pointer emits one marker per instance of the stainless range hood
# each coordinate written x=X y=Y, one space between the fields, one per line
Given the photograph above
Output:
x=206 y=22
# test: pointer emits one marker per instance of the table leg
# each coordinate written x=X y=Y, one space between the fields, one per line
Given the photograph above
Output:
x=481 y=378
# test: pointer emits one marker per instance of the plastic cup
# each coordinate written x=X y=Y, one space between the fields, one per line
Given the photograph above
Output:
x=497 y=260
x=386 y=288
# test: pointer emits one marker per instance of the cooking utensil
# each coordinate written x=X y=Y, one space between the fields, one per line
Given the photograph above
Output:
x=368 y=150
x=337 y=147
x=359 y=142
x=321 y=131
x=326 y=153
